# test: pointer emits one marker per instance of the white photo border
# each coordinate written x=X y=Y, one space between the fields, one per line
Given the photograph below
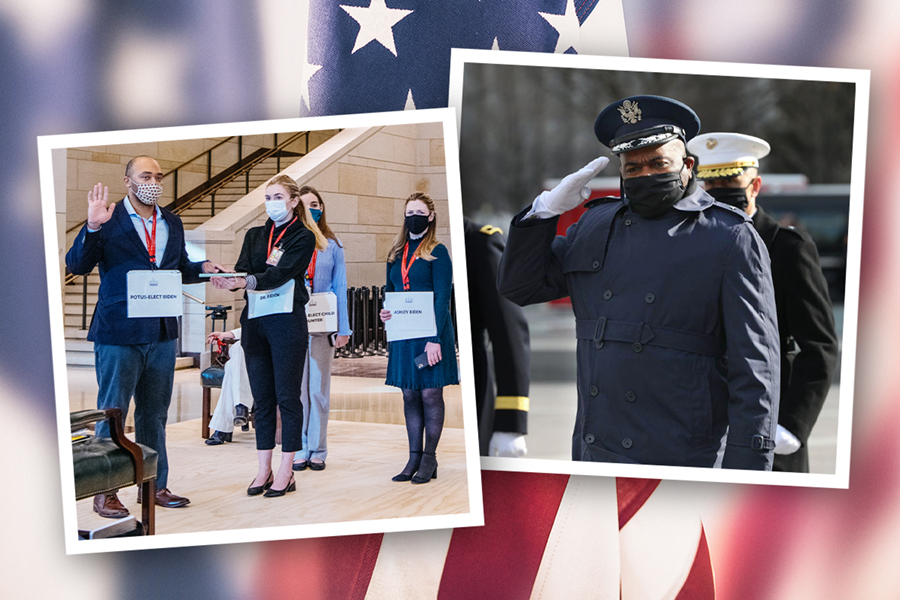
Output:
x=47 y=144
x=841 y=477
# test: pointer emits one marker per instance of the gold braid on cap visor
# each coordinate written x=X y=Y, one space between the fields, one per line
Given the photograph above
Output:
x=725 y=169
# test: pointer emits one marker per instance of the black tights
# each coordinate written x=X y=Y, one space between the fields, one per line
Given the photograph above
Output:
x=424 y=413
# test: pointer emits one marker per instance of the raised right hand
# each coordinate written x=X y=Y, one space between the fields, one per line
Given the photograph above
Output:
x=98 y=211
x=572 y=190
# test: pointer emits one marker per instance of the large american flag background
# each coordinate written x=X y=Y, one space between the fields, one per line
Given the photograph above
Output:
x=74 y=66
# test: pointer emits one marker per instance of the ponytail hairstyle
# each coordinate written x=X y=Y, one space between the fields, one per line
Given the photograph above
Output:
x=300 y=210
x=322 y=224
x=429 y=238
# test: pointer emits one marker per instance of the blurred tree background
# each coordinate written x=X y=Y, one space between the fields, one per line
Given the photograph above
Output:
x=523 y=125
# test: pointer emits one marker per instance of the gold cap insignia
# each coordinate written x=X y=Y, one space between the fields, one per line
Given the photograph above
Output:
x=711 y=143
x=630 y=112
x=490 y=230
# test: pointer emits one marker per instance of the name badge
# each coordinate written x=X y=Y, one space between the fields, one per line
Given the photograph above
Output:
x=412 y=315
x=271 y=302
x=154 y=293
x=274 y=257
x=321 y=312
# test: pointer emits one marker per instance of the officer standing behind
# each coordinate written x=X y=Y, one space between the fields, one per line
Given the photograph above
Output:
x=502 y=417
x=729 y=165
x=665 y=283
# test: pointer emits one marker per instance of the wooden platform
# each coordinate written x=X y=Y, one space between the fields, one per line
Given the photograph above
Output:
x=356 y=485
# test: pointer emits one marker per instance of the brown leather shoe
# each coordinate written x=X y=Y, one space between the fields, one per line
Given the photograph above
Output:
x=167 y=499
x=108 y=506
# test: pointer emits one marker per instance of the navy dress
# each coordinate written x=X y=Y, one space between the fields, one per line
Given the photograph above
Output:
x=424 y=276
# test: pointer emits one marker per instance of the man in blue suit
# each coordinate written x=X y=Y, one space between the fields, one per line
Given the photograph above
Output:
x=134 y=356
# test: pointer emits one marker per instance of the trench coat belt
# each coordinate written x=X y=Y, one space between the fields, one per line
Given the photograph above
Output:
x=604 y=330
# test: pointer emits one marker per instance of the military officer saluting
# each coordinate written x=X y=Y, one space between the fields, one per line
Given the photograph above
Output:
x=673 y=301
x=728 y=163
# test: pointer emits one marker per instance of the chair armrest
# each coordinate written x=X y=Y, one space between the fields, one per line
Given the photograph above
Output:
x=81 y=418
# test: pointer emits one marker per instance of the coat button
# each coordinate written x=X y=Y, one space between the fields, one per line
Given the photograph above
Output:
x=594 y=391
x=630 y=396
x=589 y=438
x=598 y=344
x=637 y=346
x=649 y=298
x=627 y=221
x=596 y=264
x=627 y=443
x=607 y=294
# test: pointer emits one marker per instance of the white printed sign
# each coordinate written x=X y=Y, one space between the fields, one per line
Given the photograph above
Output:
x=154 y=293
x=412 y=315
x=321 y=313
x=271 y=302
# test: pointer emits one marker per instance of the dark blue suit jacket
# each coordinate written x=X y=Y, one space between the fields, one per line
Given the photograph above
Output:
x=117 y=248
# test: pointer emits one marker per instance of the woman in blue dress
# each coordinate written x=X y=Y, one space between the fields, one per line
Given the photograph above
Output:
x=326 y=273
x=417 y=262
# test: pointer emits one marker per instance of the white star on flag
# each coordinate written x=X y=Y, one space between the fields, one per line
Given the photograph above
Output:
x=308 y=71
x=410 y=104
x=376 y=23
x=566 y=25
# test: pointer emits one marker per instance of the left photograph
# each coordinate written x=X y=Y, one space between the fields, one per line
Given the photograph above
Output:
x=256 y=332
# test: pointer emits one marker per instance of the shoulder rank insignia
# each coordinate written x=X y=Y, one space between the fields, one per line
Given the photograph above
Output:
x=490 y=230
x=602 y=200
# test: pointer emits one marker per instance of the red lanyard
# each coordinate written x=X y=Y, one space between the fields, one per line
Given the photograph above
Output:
x=311 y=270
x=271 y=231
x=404 y=268
x=151 y=238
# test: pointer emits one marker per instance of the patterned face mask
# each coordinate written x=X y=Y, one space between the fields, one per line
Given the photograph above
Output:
x=148 y=193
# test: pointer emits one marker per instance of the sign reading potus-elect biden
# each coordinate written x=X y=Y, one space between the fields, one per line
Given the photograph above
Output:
x=154 y=293
x=412 y=315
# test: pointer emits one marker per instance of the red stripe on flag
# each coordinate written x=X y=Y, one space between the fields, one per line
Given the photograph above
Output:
x=336 y=568
x=700 y=583
x=631 y=495
x=501 y=560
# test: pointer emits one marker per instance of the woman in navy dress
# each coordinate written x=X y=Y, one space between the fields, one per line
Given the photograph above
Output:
x=417 y=262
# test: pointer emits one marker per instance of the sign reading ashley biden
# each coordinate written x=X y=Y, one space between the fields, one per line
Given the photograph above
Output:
x=154 y=293
x=321 y=313
x=412 y=315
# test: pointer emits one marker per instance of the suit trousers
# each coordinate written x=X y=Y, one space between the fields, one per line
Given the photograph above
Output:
x=274 y=348
x=146 y=372
x=315 y=396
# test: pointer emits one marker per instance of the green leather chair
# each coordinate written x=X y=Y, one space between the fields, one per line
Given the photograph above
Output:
x=104 y=465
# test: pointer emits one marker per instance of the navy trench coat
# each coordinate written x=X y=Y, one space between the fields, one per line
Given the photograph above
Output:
x=676 y=327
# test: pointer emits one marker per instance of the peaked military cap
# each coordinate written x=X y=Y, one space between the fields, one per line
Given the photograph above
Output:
x=726 y=154
x=639 y=121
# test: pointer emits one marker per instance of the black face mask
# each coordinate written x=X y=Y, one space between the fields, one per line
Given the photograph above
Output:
x=652 y=195
x=416 y=224
x=736 y=197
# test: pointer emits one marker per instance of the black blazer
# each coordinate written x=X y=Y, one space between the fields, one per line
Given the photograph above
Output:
x=809 y=344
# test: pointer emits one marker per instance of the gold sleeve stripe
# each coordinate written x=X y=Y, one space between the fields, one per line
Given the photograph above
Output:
x=490 y=230
x=511 y=403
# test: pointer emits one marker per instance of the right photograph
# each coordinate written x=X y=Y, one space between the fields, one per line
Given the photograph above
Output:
x=663 y=263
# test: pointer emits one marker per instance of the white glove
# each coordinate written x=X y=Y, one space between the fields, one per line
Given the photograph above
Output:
x=785 y=441
x=510 y=445
x=569 y=193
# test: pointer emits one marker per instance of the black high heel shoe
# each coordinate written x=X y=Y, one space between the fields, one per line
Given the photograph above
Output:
x=412 y=465
x=427 y=469
x=259 y=489
x=273 y=493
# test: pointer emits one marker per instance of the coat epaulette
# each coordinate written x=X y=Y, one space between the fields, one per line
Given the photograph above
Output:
x=603 y=200
x=490 y=230
x=732 y=209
